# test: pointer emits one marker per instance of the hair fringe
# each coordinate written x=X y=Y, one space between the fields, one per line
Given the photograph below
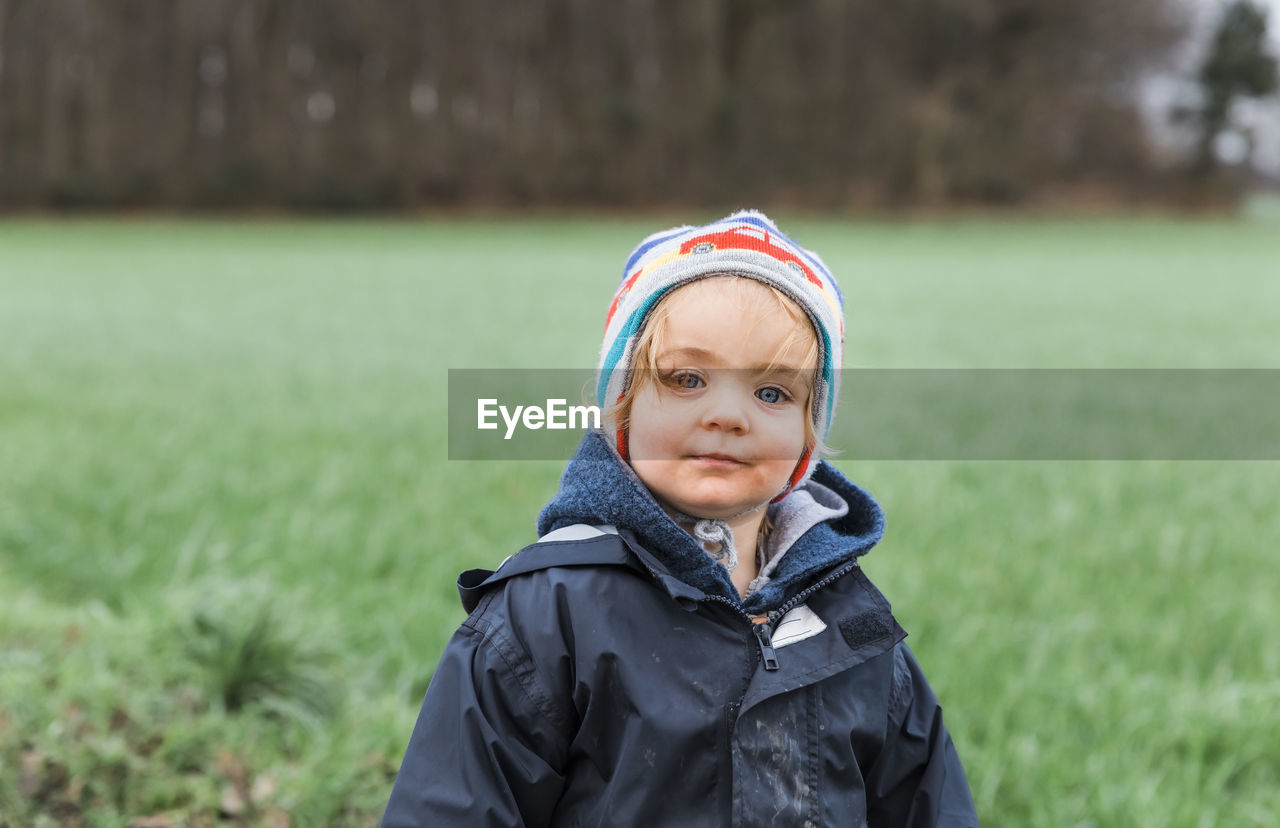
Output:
x=650 y=341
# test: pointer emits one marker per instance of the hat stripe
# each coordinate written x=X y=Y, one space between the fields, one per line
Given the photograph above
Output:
x=829 y=286
x=650 y=243
x=802 y=252
x=622 y=342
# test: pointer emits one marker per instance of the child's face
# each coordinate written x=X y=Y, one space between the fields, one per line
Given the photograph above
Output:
x=717 y=432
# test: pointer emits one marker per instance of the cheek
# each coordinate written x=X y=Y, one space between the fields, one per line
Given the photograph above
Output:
x=785 y=452
x=654 y=428
x=653 y=475
x=786 y=436
x=649 y=443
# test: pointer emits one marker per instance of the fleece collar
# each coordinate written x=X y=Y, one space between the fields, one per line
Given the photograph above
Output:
x=599 y=487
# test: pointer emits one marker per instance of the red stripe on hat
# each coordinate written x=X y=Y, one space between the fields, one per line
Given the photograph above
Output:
x=796 y=475
x=744 y=237
x=617 y=297
x=622 y=434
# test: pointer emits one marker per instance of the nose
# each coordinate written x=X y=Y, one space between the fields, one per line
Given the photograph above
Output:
x=725 y=407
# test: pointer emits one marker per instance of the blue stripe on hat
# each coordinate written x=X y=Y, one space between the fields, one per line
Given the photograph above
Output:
x=629 y=329
x=645 y=247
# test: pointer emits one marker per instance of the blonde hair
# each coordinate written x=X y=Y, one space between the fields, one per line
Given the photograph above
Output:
x=649 y=343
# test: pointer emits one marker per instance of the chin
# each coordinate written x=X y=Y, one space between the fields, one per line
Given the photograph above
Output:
x=717 y=508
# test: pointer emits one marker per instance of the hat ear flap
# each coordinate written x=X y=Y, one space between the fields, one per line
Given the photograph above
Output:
x=798 y=475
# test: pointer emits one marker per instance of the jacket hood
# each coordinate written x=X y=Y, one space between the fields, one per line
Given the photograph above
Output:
x=598 y=487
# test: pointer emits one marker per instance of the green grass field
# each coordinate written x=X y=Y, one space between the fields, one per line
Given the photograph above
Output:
x=229 y=530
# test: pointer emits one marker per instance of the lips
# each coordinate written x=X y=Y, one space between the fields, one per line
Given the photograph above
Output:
x=725 y=460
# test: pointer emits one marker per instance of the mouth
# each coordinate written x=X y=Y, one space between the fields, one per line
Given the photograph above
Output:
x=720 y=460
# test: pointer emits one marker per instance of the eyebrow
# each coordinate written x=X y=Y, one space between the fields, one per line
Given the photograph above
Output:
x=703 y=353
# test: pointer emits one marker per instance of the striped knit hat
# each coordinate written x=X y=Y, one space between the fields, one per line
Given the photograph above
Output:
x=747 y=244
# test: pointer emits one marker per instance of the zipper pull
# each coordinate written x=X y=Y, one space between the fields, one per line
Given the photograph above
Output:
x=765 y=638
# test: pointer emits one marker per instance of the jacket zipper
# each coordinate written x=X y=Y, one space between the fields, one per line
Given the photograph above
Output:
x=763 y=635
x=799 y=597
x=762 y=625
x=759 y=626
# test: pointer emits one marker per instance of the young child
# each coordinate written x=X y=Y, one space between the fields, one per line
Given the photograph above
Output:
x=691 y=642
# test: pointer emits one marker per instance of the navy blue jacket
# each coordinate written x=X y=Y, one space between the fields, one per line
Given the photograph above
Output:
x=608 y=681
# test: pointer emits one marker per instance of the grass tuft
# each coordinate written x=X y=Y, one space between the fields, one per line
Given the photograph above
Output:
x=251 y=655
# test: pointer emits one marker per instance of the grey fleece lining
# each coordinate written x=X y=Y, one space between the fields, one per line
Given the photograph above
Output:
x=800 y=511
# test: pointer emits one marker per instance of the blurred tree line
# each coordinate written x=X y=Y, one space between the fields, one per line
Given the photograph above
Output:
x=398 y=103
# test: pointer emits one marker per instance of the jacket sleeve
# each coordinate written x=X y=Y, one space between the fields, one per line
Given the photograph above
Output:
x=487 y=748
x=917 y=781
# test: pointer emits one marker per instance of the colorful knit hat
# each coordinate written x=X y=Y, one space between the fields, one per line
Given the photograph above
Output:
x=747 y=244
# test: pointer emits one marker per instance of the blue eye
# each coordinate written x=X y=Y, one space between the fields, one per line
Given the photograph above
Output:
x=684 y=379
x=772 y=395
